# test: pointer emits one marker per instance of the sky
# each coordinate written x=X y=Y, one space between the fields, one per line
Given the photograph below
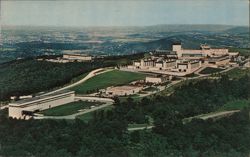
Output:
x=123 y=12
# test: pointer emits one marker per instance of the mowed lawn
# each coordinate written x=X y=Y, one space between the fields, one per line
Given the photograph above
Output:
x=210 y=70
x=70 y=108
x=111 y=78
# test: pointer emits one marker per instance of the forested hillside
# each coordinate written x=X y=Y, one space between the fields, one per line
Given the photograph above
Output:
x=30 y=76
x=106 y=134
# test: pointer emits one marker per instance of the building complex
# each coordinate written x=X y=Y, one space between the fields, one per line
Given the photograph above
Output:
x=123 y=90
x=181 y=62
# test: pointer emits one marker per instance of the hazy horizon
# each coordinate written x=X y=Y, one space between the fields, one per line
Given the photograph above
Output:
x=124 y=13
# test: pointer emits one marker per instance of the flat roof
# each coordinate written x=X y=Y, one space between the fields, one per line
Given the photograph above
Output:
x=77 y=54
x=122 y=88
x=24 y=101
x=217 y=58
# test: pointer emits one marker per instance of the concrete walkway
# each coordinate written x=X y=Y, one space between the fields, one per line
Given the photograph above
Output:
x=219 y=114
x=211 y=115
x=140 y=128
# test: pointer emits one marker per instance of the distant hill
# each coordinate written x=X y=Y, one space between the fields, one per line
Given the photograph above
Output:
x=34 y=41
x=191 y=41
x=239 y=30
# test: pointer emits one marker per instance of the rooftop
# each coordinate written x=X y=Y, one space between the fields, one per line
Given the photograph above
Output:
x=122 y=88
x=24 y=101
x=77 y=54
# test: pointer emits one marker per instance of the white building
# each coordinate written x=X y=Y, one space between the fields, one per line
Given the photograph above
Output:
x=188 y=66
x=24 y=109
x=217 y=61
x=158 y=79
x=157 y=64
x=77 y=57
x=204 y=51
x=123 y=90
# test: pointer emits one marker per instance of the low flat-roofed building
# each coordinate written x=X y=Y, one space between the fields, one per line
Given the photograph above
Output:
x=157 y=63
x=77 y=57
x=233 y=54
x=217 y=61
x=188 y=66
x=123 y=90
x=137 y=63
x=204 y=51
x=58 y=60
x=24 y=109
x=168 y=64
x=158 y=79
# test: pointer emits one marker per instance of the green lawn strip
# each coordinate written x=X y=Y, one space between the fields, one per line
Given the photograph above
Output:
x=191 y=75
x=209 y=70
x=69 y=108
x=112 y=78
x=88 y=116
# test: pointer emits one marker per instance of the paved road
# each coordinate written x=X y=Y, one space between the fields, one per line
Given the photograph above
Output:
x=4 y=107
x=90 y=75
x=140 y=128
x=219 y=114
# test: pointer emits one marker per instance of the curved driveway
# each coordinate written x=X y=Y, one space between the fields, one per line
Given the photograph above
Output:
x=90 y=75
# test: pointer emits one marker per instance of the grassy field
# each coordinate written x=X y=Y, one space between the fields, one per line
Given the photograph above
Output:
x=235 y=105
x=191 y=75
x=238 y=72
x=69 y=109
x=210 y=70
x=112 y=78
x=88 y=116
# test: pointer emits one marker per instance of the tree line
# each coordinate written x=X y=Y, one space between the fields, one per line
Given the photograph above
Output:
x=106 y=133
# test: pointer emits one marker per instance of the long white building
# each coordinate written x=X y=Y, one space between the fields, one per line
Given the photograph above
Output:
x=204 y=51
x=77 y=57
x=24 y=109
x=123 y=90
